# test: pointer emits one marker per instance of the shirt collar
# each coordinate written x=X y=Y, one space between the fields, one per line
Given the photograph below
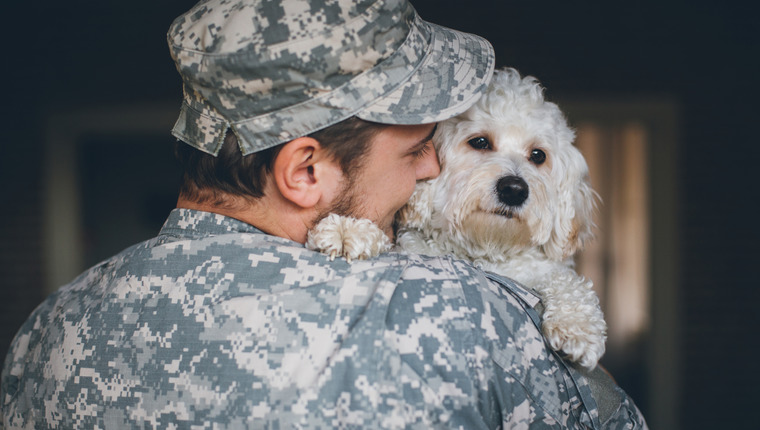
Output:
x=190 y=224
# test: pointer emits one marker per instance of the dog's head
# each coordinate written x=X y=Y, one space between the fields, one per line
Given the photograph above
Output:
x=510 y=176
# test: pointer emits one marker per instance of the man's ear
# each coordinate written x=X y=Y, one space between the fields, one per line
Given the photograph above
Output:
x=302 y=170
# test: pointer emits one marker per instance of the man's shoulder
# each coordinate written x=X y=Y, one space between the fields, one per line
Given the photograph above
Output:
x=445 y=285
x=434 y=266
x=446 y=271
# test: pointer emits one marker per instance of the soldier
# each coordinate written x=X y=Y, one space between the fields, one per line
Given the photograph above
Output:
x=293 y=110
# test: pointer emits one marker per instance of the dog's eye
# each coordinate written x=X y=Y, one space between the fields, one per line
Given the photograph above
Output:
x=537 y=157
x=479 y=142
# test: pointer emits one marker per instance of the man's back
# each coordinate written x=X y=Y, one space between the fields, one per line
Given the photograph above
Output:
x=216 y=323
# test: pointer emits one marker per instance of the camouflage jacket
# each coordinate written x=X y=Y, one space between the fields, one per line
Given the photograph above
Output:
x=214 y=324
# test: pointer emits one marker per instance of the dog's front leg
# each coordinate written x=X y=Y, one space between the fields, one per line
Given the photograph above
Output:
x=572 y=319
x=343 y=236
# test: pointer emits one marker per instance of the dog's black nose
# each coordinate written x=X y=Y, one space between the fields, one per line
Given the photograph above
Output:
x=512 y=190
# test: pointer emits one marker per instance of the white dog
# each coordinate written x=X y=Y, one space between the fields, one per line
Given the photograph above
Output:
x=513 y=197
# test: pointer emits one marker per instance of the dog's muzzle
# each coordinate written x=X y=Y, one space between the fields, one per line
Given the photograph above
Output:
x=512 y=190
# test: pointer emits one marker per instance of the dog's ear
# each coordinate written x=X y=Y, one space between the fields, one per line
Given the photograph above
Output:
x=417 y=213
x=583 y=222
x=574 y=215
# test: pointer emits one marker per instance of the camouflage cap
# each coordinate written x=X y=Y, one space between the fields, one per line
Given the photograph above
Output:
x=275 y=70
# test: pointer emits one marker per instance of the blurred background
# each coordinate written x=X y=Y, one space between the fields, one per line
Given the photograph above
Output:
x=663 y=96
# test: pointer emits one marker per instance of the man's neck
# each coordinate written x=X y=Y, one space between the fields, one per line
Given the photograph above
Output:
x=272 y=217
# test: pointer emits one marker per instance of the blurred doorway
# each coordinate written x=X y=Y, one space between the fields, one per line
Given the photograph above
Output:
x=631 y=151
x=109 y=182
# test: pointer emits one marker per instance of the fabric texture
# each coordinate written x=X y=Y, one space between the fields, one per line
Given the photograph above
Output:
x=214 y=324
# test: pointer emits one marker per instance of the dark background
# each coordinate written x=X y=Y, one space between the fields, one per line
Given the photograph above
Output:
x=61 y=56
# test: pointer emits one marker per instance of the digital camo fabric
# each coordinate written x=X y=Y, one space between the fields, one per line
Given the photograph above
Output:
x=214 y=324
x=273 y=71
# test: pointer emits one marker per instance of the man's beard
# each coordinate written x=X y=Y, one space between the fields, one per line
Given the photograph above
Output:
x=346 y=205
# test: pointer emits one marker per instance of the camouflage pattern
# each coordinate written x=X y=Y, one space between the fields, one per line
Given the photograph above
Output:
x=276 y=70
x=214 y=324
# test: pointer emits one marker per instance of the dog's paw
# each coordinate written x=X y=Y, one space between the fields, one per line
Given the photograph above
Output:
x=351 y=238
x=582 y=342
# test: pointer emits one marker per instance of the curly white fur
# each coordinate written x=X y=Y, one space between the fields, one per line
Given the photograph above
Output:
x=347 y=237
x=513 y=197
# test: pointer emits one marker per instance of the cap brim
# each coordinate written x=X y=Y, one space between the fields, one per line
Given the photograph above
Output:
x=455 y=72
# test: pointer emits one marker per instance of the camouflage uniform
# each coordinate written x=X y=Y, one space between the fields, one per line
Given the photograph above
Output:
x=214 y=324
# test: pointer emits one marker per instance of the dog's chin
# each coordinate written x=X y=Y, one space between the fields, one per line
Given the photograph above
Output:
x=500 y=229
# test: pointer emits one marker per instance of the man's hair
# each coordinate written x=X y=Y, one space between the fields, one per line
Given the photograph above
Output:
x=209 y=179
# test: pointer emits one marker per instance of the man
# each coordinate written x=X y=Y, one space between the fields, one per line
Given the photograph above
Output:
x=294 y=110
